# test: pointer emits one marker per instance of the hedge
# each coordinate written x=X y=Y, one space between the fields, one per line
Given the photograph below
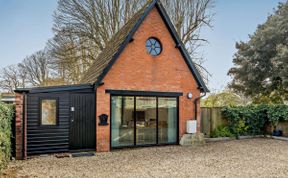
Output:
x=6 y=116
x=254 y=119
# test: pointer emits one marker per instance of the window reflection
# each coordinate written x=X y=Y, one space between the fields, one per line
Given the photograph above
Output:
x=145 y=120
x=167 y=114
x=48 y=112
x=122 y=121
x=134 y=120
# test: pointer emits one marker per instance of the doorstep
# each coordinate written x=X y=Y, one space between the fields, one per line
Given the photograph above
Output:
x=82 y=154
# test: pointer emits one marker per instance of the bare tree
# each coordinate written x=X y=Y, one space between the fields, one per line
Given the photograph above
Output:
x=188 y=17
x=12 y=77
x=84 y=27
x=82 y=30
x=37 y=68
x=70 y=58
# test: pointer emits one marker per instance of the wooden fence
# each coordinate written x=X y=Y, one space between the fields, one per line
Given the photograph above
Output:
x=211 y=118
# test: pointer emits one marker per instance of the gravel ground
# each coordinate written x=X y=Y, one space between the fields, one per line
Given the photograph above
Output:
x=242 y=158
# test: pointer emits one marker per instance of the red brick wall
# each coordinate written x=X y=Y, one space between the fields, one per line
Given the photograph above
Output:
x=19 y=116
x=135 y=69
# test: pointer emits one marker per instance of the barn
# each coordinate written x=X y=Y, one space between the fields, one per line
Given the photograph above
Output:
x=140 y=91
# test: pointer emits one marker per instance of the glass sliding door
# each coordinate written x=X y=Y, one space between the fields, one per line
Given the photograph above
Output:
x=145 y=120
x=167 y=120
x=122 y=120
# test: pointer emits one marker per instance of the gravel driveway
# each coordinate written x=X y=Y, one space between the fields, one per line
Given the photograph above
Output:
x=242 y=158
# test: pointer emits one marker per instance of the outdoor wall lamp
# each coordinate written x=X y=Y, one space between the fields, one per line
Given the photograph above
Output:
x=189 y=95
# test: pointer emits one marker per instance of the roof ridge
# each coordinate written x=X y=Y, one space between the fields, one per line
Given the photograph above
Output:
x=118 y=42
x=135 y=14
x=114 y=43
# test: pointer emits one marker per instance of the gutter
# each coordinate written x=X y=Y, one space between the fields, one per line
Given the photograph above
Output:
x=196 y=101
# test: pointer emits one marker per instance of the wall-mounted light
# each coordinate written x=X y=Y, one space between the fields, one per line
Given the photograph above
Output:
x=190 y=95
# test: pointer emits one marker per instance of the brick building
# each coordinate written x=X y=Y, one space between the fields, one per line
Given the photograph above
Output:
x=140 y=91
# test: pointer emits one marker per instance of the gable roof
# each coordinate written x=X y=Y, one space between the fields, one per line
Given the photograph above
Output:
x=118 y=42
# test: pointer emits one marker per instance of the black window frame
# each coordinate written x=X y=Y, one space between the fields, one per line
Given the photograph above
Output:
x=40 y=112
x=136 y=94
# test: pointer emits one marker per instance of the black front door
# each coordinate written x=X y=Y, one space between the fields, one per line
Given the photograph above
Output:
x=82 y=122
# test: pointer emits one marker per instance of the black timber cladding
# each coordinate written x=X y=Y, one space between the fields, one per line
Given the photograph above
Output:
x=50 y=139
x=83 y=122
x=46 y=139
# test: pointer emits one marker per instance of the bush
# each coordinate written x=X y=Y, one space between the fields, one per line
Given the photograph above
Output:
x=253 y=119
x=6 y=116
x=221 y=131
x=277 y=113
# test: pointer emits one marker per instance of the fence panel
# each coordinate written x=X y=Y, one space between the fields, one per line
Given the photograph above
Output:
x=211 y=118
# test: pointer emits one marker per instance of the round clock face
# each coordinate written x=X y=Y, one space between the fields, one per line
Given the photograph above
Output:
x=153 y=46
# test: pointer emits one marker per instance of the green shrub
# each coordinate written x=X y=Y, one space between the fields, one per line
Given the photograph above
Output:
x=6 y=116
x=221 y=131
x=236 y=122
x=253 y=119
x=277 y=113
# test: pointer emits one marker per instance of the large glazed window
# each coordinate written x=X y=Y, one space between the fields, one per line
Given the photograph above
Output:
x=146 y=120
x=122 y=121
x=48 y=112
x=143 y=120
x=167 y=127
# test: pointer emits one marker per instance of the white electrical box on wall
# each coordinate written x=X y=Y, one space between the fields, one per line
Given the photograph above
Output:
x=191 y=126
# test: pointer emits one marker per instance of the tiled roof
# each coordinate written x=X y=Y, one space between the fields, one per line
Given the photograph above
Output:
x=105 y=57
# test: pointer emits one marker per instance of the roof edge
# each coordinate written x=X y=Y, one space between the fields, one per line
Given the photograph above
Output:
x=53 y=88
x=156 y=3
x=201 y=84
x=124 y=44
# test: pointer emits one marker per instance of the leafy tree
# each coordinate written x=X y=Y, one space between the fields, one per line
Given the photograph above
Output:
x=261 y=64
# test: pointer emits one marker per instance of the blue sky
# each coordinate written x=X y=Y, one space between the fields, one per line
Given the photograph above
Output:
x=25 y=27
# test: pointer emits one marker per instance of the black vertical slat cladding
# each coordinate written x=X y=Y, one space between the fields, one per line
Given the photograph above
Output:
x=83 y=129
x=53 y=139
